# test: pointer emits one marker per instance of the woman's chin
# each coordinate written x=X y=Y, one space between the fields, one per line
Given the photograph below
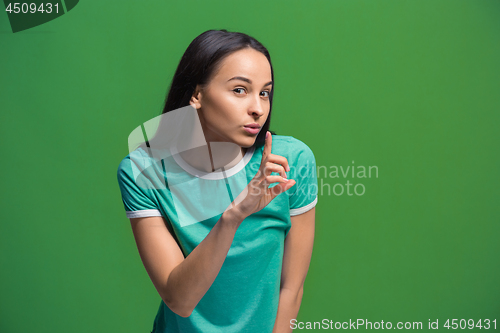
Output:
x=247 y=142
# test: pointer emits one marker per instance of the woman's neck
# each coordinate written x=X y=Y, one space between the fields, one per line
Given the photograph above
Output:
x=214 y=156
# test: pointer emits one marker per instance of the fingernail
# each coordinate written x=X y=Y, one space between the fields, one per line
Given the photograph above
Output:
x=287 y=168
x=267 y=135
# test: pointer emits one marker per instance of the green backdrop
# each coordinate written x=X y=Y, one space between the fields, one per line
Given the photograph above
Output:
x=408 y=87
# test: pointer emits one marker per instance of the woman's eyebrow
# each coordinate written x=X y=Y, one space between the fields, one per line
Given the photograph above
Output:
x=247 y=80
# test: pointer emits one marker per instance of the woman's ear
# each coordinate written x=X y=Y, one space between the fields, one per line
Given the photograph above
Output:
x=195 y=100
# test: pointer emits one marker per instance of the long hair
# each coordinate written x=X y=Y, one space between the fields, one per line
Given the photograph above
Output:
x=202 y=58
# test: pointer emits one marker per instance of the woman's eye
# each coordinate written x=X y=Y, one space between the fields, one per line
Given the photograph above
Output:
x=238 y=90
x=267 y=92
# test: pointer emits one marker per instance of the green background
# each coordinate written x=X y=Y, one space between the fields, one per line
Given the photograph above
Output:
x=411 y=87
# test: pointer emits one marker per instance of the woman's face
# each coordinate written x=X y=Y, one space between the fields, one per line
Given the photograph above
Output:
x=236 y=96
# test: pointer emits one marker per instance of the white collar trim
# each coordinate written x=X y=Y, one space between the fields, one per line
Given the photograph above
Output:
x=216 y=174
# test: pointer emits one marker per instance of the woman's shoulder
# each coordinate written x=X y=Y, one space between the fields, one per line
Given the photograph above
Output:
x=135 y=155
x=135 y=161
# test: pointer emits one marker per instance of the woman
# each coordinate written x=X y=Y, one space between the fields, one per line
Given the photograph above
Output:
x=219 y=267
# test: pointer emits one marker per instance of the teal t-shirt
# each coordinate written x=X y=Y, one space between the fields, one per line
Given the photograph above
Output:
x=245 y=294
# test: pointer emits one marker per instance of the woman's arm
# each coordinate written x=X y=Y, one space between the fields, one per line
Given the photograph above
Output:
x=182 y=282
x=296 y=259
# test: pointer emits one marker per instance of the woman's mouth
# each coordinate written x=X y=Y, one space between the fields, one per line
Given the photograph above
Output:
x=252 y=128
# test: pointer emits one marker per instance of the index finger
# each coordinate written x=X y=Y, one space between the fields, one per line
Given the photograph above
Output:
x=267 y=147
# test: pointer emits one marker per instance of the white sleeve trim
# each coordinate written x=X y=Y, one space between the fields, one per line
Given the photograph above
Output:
x=143 y=213
x=302 y=210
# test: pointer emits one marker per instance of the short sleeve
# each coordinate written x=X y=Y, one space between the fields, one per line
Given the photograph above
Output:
x=135 y=199
x=305 y=195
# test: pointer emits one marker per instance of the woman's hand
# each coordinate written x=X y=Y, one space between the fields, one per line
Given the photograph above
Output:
x=257 y=194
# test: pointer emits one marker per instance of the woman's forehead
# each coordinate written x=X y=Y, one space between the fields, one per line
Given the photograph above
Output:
x=247 y=63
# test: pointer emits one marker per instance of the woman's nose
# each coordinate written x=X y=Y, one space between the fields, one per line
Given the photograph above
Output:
x=256 y=107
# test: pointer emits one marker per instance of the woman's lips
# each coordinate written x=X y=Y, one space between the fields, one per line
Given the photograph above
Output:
x=252 y=130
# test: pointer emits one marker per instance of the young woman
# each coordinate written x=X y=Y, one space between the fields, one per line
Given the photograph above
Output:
x=224 y=263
